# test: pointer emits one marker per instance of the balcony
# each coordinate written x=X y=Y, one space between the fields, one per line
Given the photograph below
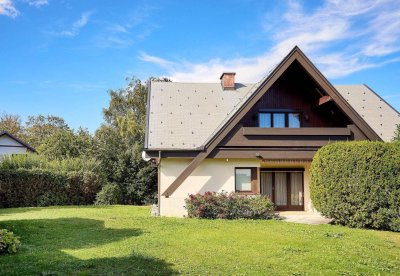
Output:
x=312 y=137
x=306 y=131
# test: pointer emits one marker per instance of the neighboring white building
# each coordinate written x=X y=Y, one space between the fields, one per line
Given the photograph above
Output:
x=9 y=144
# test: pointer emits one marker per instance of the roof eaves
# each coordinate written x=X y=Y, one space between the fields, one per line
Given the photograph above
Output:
x=18 y=140
x=383 y=100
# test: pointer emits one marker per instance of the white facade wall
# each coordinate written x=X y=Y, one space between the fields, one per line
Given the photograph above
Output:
x=213 y=175
x=10 y=146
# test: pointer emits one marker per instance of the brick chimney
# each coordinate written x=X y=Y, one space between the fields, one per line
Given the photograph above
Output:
x=228 y=80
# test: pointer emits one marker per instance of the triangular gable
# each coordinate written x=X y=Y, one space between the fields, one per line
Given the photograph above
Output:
x=255 y=94
x=17 y=140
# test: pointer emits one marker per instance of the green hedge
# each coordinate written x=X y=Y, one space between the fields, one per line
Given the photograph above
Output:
x=358 y=184
x=31 y=180
x=36 y=187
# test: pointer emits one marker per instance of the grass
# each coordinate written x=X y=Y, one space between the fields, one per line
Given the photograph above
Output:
x=120 y=240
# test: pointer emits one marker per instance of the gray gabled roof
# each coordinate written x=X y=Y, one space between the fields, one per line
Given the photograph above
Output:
x=183 y=116
x=378 y=114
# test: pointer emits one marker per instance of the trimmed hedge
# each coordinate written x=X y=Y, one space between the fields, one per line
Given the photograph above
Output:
x=229 y=206
x=36 y=187
x=358 y=184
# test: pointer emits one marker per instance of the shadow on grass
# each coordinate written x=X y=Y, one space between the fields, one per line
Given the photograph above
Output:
x=43 y=242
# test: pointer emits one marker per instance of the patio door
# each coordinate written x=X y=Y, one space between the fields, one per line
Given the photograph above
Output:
x=284 y=187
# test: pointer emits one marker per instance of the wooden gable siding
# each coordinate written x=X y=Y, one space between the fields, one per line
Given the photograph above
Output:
x=296 y=90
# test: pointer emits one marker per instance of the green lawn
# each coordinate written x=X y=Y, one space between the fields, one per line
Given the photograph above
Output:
x=126 y=240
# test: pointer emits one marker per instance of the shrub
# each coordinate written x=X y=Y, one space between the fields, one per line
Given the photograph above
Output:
x=83 y=186
x=9 y=243
x=30 y=180
x=35 y=161
x=358 y=184
x=110 y=194
x=36 y=187
x=229 y=206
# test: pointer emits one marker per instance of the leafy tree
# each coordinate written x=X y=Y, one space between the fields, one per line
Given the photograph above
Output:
x=120 y=143
x=127 y=109
x=39 y=128
x=12 y=124
x=65 y=143
x=396 y=137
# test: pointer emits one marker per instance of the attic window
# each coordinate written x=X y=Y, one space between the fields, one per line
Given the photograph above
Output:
x=279 y=119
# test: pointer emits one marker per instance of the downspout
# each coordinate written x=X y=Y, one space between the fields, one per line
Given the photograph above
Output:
x=158 y=181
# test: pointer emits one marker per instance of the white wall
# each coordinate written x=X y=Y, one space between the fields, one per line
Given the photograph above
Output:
x=10 y=146
x=213 y=175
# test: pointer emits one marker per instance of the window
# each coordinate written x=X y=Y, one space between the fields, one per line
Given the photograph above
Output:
x=279 y=119
x=293 y=120
x=243 y=179
x=265 y=120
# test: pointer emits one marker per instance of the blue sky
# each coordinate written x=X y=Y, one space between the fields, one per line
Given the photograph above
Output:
x=60 y=57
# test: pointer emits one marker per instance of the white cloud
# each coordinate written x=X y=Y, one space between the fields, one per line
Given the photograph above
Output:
x=117 y=28
x=133 y=27
x=76 y=26
x=341 y=37
x=37 y=3
x=156 y=60
x=7 y=8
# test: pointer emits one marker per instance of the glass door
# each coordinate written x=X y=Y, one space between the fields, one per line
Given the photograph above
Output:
x=281 y=190
x=296 y=189
x=284 y=187
x=266 y=182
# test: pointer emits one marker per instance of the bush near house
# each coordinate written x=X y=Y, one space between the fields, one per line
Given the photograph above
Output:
x=32 y=180
x=358 y=184
x=229 y=206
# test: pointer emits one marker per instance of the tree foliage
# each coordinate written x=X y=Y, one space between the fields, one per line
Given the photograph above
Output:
x=65 y=143
x=12 y=124
x=39 y=128
x=396 y=137
x=120 y=144
x=116 y=145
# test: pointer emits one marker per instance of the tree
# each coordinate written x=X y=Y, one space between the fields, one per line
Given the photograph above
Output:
x=396 y=137
x=65 y=143
x=39 y=128
x=120 y=142
x=127 y=109
x=12 y=124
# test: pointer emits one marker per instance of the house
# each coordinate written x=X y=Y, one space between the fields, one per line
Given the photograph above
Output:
x=255 y=138
x=9 y=144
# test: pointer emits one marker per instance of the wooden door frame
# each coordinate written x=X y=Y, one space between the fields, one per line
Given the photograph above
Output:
x=289 y=206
